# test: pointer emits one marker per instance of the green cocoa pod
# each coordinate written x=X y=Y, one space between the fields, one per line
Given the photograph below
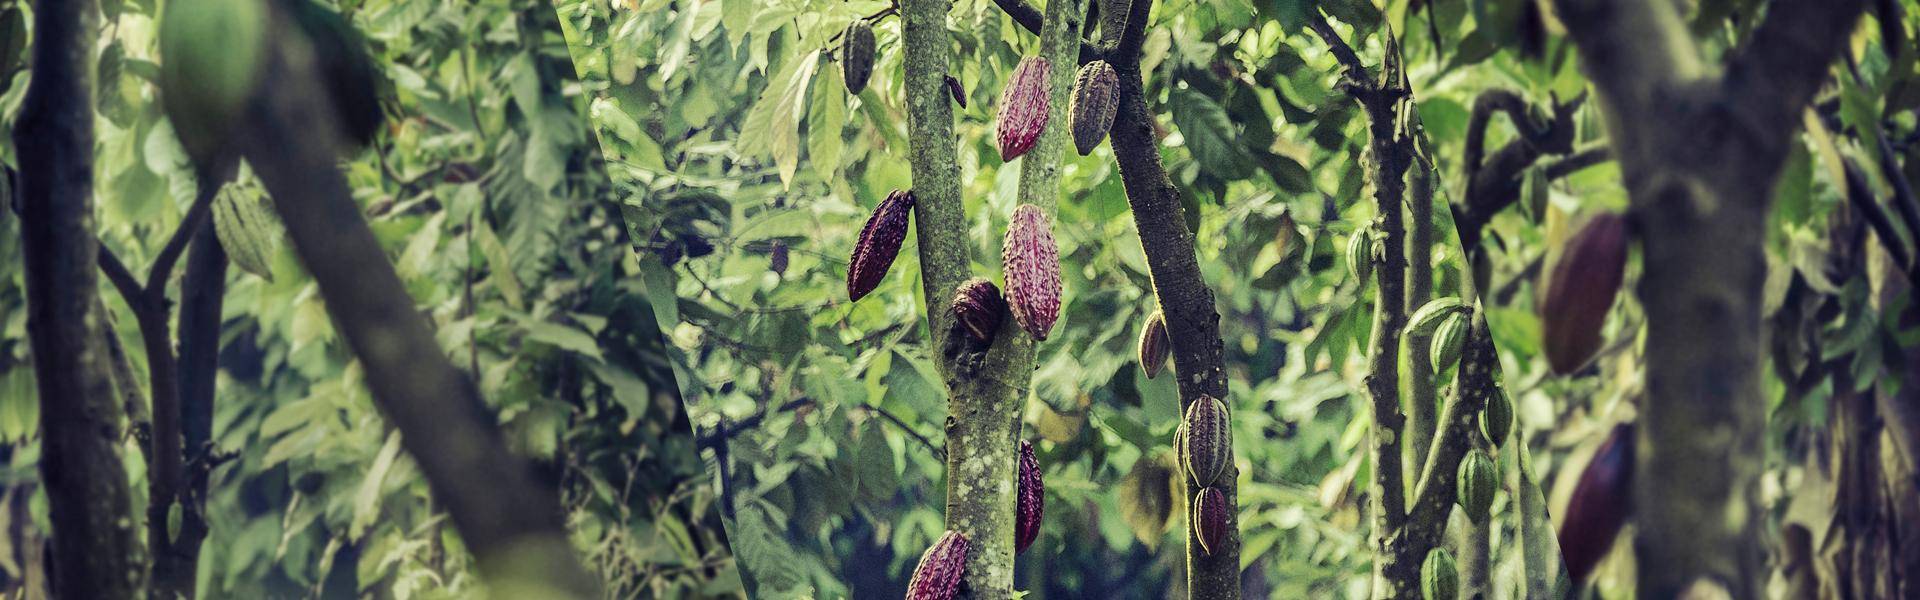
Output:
x=856 y=56
x=1496 y=421
x=1360 y=256
x=246 y=228
x=1431 y=315
x=212 y=56
x=1154 y=345
x=1479 y=480
x=1205 y=440
x=1439 y=578
x=1448 y=339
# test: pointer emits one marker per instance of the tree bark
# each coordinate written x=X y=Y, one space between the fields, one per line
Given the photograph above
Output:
x=513 y=524
x=1193 y=320
x=1699 y=152
x=96 y=552
x=202 y=294
x=1422 y=395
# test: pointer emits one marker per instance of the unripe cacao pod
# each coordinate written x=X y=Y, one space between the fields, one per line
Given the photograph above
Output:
x=959 y=93
x=777 y=257
x=1447 y=342
x=879 y=242
x=212 y=56
x=1032 y=266
x=1211 y=515
x=1096 y=96
x=1360 y=256
x=856 y=56
x=1439 y=578
x=1599 y=506
x=940 y=570
x=1433 y=313
x=978 y=308
x=1479 y=479
x=1024 y=105
x=1030 y=501
x=1154 y=345
x=1205 y=439
x=1496 y=421
x=1580 y=292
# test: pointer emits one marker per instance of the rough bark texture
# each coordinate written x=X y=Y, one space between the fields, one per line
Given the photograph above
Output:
x=1422 y=395
x=1699 y=151
x=511 y=523
x=1193 y=322
x=96 y=553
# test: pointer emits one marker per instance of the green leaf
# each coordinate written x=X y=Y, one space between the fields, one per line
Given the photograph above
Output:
x=366 y=503
x=1210 y=135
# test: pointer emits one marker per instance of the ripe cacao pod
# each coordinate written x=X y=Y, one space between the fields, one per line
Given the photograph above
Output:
x=1479 y=479
x=1599 y=506
x=1496 y=421
x=856 y=56
x=978 y=308
x=1032 y=266
x=1360 y=256
x=1210 y=519
x=1439 y=578
x=879 y=242
x=1580 y=292
x=212 y=56
x=1030 y=501
x=940 y=570
x=777 y=257
x=1096 y=96
x=1154 y=346
x=1205 y=439
x=1024 y=105
x=1448 y=341
x=959 y=93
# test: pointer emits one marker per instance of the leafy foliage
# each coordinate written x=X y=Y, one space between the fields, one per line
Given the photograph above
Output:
x=485 y=192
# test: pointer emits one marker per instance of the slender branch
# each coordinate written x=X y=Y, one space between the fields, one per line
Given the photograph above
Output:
x=1422 y=395
x=1578 y=161
x=512 y=522
x=936 y=449
x=162 y=269
x=122 y=279
x=1860 y=195
x=1029 y=18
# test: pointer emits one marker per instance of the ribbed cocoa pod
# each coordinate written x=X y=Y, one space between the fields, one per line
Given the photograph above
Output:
x=979 y=309
x=1600 y=504
x=1210 y=517
x=1496 y=421
x=879 y=242
x=941 y=567
x=1024 y=106
x=1029 y=502
x=959 y=93
x=856 y=56
x=1032 y=266
x=1096 y=95
x=1360 y=256
x=1581 y=290
x=777 y=257
x=1205 y=439
x=1479 y=480
x=1439 y=578
x=1448 y=341
x=1154 y=346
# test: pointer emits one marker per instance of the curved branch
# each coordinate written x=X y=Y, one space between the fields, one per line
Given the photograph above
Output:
x=162 y=269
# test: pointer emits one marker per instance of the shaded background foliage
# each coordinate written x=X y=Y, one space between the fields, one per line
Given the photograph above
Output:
x=485 y=192
x=733 y=140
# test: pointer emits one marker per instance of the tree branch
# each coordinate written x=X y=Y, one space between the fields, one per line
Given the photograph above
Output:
x=1029 y=18
x=512 y=523
x=1578 y=161
x=162 y=269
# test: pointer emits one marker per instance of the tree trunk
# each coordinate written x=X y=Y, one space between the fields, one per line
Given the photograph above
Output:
x=1699 y=152
x=1193 y=321
x=96 y=553
x=513 y=524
